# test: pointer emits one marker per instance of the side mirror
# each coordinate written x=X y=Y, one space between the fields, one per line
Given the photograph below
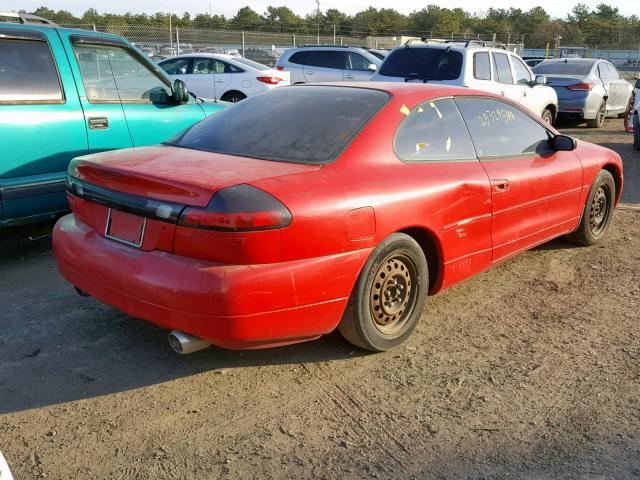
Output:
x=637 y=85
x=372 y=67
x=540 y=80
x=564 y=143
x=180 y=92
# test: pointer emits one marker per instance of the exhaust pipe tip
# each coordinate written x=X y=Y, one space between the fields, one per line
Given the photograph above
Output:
x=184 y=343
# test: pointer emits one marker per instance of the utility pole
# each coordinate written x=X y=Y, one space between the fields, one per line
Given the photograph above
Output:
x=318 y=19
x=334 y=33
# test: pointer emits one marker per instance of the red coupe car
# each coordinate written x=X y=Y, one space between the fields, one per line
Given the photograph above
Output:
x=313 y=207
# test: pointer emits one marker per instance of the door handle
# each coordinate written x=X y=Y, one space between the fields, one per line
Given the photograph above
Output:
x=524 y=94
x=348 y=76
x=500 y=185
x=502 y=93
x=98 y=123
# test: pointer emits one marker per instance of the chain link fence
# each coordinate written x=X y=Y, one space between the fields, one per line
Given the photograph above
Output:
x=266 y=47
x=263 y=47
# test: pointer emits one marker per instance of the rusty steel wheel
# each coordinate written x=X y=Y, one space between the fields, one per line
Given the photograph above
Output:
x=598 y=210
x=392 y=293
x=388 y=297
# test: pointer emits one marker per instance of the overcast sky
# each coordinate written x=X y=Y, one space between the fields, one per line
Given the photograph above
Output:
x=557 y=8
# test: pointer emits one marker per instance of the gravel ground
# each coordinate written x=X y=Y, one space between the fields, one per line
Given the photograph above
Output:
x=530 y=370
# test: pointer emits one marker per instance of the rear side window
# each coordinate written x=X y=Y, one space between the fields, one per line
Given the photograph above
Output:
x=177 y=66
x=423 y=64
x=499 y=129
x=299 y=58
x=502 y=69
x=299 y=124
x=433 y=131
x=481 y=66
x=28 y=72
x=327 y=59
x=111 y=74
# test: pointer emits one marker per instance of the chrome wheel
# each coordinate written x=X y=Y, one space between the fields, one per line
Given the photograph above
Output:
x=392 y=297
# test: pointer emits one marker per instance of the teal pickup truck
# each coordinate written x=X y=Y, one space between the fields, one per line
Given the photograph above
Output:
x=65 y=93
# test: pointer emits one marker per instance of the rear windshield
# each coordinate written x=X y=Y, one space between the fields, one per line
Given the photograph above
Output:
x=251 y=63
x=303 y=124
x=423 y=64
x=568 y=68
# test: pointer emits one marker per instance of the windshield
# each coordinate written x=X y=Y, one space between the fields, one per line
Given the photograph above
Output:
x=568 y=68
x=251 y=63
x=303 y=124
x=423 y=64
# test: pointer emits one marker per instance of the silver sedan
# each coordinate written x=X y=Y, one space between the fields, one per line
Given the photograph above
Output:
x=588 y=89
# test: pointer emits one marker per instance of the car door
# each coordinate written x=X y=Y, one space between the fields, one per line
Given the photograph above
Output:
x=610 y=87
x=530 y=96
x=503 y=75
x=358 y=68
x=535 y=190
x=618 y=87
x=41 y=122
x=202 y=79
x=434 y=145
x=106 y=124
x=325 y=66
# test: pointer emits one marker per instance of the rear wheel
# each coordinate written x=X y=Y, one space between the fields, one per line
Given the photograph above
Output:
x=596 y=216
x=547 y=116
x=636 y=131
x=233 y=97
x=388 y=297
x=599 y=120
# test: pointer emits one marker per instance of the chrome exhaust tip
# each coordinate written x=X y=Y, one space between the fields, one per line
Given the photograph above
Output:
x=183 y=343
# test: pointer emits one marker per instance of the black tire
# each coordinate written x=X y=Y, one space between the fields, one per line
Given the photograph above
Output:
x=388 y=297
x=600 y=115
x=547 y=116
x=636 y=131
x=597 y=213
x=233 y=97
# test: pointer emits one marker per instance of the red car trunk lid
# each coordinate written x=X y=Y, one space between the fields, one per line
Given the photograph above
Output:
x=173 y=174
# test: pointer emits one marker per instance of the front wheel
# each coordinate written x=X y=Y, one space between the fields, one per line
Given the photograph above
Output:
x=636 y=131
x=547 y=116
x=599 y=120
x=388 y=297
x=597 y=213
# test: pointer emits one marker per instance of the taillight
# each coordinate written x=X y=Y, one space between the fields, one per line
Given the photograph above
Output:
x=238 y=208
x=580 y=87
x=280 y=68
x=270 y=80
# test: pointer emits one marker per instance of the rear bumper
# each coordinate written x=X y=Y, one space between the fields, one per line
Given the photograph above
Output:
x=580 y=105
x=232 y=306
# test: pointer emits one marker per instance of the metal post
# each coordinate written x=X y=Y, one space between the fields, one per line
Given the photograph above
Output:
x=318 y=19
x=334 y=34
x=243 y=44
x=94 y=28
x=178 y=40
x=170 y=36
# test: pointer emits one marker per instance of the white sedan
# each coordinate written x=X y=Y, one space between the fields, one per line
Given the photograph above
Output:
x=223 y=77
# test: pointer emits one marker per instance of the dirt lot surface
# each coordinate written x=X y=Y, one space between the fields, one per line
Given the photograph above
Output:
x=530 y=370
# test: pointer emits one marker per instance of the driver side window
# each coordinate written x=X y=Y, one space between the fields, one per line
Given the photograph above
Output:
x=111 y=74
x=523 y=77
